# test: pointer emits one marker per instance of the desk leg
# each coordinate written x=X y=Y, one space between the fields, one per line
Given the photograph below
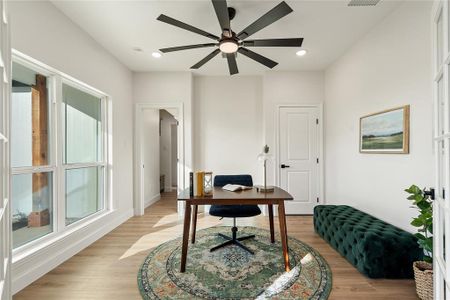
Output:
x=184 y=249
x=272 y=231
x=194 y=223
x=283 y=234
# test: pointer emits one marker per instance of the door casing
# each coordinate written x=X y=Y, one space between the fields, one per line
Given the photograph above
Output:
x=139 y=206
x=321 y=173
x=441 y=142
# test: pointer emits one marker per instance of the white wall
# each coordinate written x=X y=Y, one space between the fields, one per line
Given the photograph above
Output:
x=228 y=124
x=64 y=46
x=168 y=88
x=389 y=67
x=150 y=155
x=240 y=109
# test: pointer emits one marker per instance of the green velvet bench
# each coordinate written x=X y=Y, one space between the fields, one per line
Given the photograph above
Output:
x=376 y=248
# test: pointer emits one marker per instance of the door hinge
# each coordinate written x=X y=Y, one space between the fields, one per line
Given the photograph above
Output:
x=317 y=121
x=317 y=199
x=317 y=160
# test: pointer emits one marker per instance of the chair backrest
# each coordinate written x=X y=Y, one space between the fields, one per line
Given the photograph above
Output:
x=221 y=180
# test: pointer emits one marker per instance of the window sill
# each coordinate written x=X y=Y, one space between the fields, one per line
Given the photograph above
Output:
x=26 y=251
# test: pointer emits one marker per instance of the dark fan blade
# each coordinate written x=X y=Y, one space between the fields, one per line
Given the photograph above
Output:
x=259 y=58
x=221 y=8
x=206 y=59
x=232 y=65
x=270 y=17
x=274 y=43
x=171 y=21
x=171 y=49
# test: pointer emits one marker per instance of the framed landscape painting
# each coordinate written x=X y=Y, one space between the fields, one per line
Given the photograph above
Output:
x=385 y=132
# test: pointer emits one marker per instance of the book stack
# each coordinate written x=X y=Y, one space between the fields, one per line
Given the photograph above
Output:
x=196 y=187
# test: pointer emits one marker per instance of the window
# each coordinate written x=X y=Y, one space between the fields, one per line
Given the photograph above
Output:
x=58 y=152
x=32 y=180
x=83 y=158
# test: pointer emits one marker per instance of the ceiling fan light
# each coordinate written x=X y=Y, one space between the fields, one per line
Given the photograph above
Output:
x=228 y=46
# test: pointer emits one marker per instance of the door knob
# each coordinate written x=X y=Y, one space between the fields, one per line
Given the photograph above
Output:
x=284 y=166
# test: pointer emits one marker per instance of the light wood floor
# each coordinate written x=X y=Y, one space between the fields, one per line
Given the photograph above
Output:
x=108 y=268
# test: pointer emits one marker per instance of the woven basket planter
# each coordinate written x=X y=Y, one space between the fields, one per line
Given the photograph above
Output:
x=423 y=274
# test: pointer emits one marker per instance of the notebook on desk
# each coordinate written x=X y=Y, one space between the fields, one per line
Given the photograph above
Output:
x=236 y=187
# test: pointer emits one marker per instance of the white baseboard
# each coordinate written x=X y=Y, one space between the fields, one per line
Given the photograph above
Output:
x=39 y=263
x=152 y=200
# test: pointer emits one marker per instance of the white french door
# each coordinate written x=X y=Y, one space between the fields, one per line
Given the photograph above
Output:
x=299 y=157
x=5 y=210
x=441 y=138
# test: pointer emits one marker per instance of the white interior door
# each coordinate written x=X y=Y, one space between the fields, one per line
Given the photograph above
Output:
x=441 y=207
x=299 y=157
x=5 y=210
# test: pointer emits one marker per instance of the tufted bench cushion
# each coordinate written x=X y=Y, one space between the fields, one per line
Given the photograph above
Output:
x=376 y=248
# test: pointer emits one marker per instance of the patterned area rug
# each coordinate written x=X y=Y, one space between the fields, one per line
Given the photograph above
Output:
x=232 y=273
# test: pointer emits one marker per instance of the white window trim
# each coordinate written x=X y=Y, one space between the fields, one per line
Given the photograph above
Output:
x=57 y=166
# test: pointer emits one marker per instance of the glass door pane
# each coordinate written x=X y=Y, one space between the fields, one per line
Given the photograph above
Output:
x=439 y=40
x=3 y=249
x=440 y=99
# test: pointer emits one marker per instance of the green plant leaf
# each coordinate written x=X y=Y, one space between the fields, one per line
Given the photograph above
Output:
x=428 y=244
x=420 y=236
x=423 y=205
x=416 y=189
x=428 y=259
x=418 y=198
x=417 y=222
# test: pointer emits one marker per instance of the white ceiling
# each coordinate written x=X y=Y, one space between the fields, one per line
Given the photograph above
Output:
x=328 y=27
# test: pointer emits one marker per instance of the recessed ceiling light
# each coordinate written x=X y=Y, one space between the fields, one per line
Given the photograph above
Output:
x=301 y=52
x=156 y=54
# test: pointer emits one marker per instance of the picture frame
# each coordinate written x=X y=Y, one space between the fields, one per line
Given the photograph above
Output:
x=385 y=132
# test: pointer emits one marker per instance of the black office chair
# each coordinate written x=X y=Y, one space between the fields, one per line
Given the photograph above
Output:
x=234 y=211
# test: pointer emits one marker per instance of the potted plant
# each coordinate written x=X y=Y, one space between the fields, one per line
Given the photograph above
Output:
x=423 y=270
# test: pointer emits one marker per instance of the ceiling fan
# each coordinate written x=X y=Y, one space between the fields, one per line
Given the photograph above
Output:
x=229 y=43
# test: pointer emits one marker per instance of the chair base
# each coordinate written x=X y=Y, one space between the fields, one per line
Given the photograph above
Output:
x=234 y=241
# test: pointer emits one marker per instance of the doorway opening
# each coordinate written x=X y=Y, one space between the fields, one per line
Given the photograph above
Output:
x=159 y=163
x=168 y=152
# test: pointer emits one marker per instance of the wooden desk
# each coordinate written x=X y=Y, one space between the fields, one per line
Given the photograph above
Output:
x=223 y=197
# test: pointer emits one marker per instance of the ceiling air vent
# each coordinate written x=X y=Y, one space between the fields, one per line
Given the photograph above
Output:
x=363 y=2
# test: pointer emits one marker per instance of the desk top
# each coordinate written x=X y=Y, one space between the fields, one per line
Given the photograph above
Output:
x=252 y=194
